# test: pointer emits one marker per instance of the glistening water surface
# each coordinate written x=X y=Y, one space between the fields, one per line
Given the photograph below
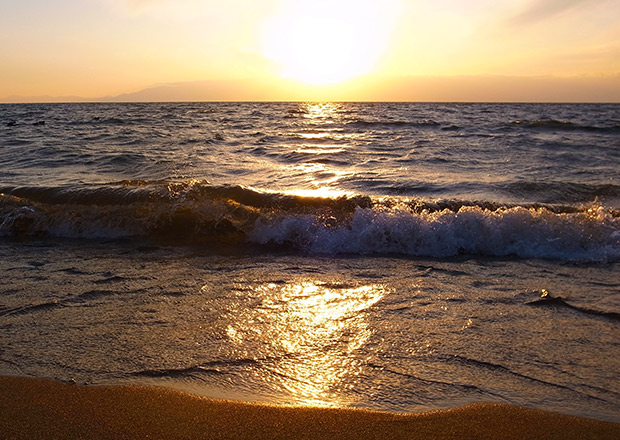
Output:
x=400 y=257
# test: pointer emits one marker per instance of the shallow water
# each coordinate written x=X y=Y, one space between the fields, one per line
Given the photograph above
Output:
x=465 y=253
x=377 y=332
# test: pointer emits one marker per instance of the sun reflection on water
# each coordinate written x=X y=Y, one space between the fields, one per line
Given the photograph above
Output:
x=320 y=111
x=310 y=330
x=318 y=160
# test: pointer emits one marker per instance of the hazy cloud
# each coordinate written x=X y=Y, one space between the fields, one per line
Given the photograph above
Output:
x=134 y=6
x=182 y=10
x=539 y=10
x=165 y=8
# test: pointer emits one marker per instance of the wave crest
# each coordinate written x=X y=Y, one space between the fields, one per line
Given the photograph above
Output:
x=590 y=235
x=557 y=125
x=197 y=212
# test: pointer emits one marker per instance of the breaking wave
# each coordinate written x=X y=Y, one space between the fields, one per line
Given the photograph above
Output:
x=198 y=212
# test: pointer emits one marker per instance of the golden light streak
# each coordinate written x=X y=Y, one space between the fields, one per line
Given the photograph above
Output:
x=314 y=326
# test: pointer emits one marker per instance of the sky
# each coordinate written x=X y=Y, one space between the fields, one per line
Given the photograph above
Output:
x=409 y=50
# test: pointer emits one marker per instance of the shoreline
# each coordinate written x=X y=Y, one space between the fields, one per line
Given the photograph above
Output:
x=34 y=408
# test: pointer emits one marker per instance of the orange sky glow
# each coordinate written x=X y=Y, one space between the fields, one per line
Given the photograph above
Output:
x=387 y=50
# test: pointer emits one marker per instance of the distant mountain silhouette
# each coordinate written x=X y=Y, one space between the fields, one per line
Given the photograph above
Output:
x=222 y=90
x=472 y=88
x=191 y=91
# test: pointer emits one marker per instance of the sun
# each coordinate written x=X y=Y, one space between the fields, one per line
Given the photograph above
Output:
x=322 y=42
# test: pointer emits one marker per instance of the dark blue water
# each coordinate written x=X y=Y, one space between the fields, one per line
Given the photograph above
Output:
x=383 y=255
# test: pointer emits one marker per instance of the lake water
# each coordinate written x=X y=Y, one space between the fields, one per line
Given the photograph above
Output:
x=392 y=256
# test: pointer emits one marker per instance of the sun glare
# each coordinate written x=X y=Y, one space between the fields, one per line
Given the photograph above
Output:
x=327 y=42
x=314 y=326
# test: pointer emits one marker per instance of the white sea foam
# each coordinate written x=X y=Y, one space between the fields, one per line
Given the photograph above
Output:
x=592 y=235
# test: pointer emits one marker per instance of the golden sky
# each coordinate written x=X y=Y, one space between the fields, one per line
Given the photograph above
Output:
x=313 y=49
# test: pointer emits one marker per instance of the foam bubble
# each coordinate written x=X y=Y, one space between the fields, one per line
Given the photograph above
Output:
x=517 y=231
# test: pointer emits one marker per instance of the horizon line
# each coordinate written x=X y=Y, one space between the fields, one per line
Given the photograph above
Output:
x=292 y=101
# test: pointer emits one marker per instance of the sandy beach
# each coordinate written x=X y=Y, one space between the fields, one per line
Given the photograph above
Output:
x=43 y=409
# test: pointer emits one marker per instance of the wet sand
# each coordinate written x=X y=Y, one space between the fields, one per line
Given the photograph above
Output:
x=43 y=409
